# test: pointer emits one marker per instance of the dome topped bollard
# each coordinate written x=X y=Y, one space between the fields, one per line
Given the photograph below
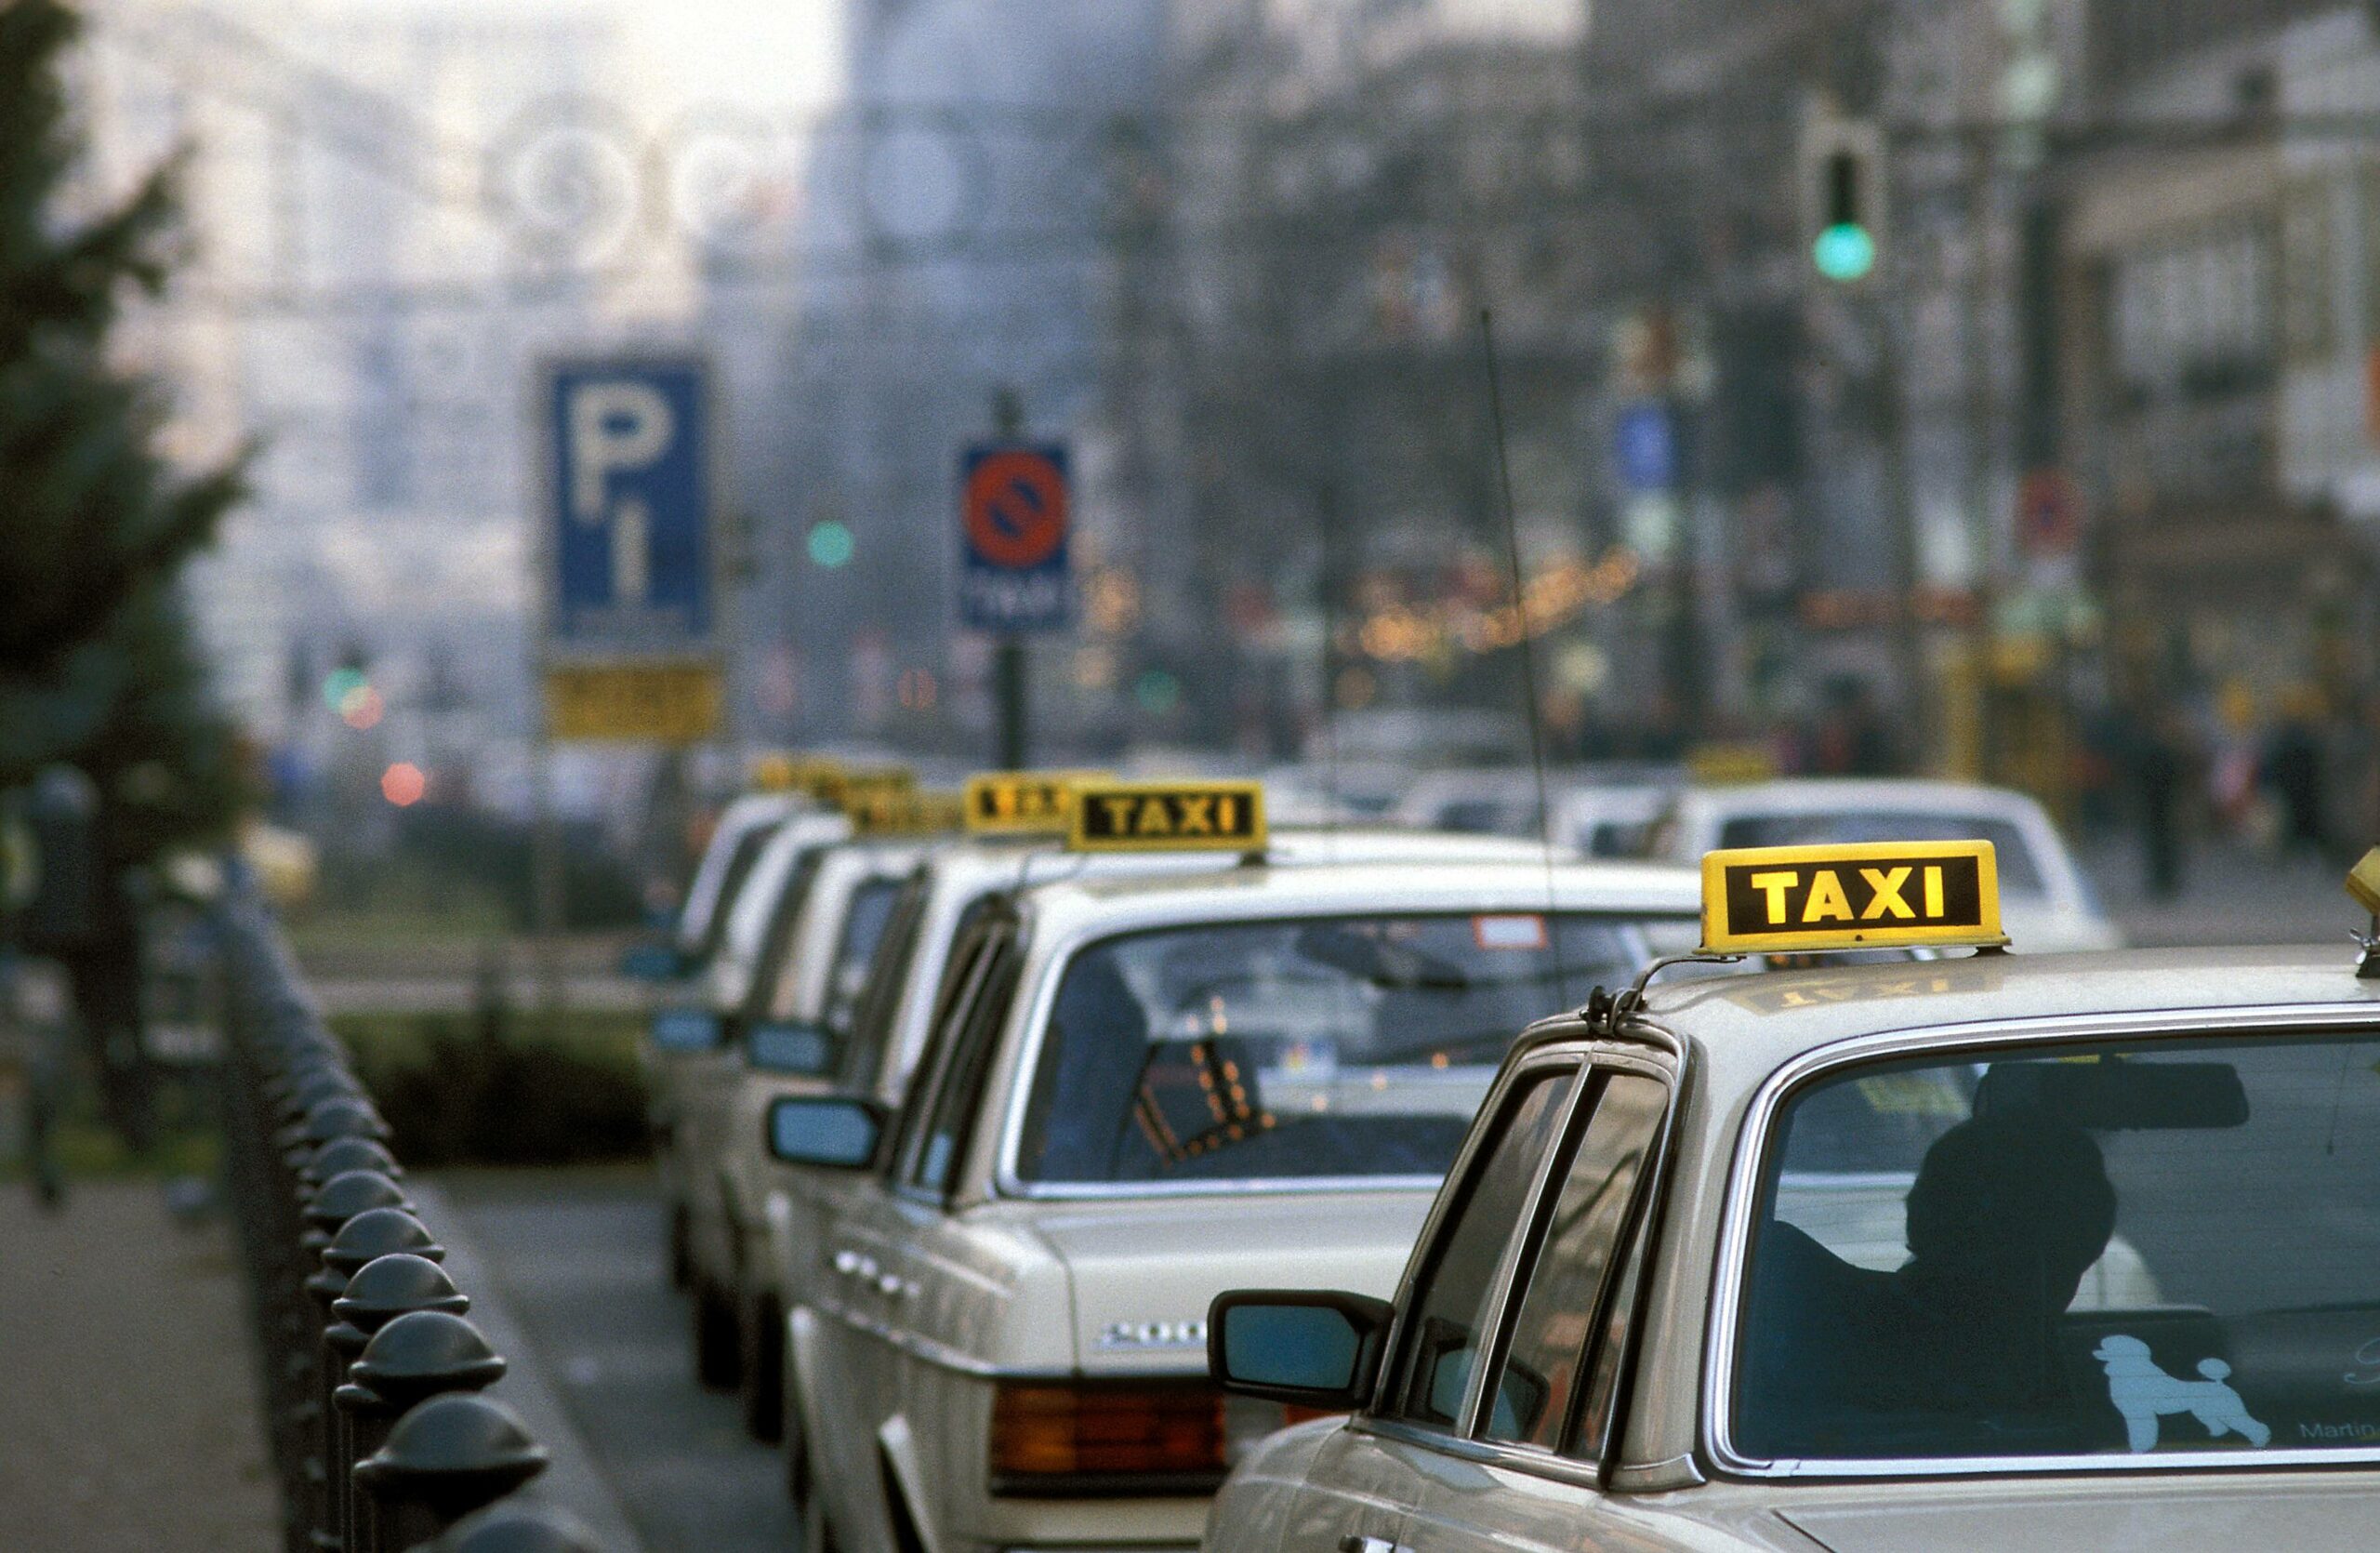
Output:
x=381 y=1291
x=416 y=1356
x=509 y=1526
x=444 y=1459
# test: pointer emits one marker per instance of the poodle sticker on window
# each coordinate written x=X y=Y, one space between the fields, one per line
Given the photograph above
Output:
x=2144 y=1394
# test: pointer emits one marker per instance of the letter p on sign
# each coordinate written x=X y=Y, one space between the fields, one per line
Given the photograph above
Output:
x=614 y=426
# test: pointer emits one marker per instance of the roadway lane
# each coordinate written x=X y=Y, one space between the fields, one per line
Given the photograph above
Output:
x=577 y=1256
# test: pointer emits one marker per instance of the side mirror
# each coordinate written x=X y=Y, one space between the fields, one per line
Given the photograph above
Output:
x=687 y=1030
x=1316 y=1348
x=835 y=1132
x=652 y=962
x=785 y=1047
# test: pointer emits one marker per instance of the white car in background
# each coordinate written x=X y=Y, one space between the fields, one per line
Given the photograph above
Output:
x=2046 y=900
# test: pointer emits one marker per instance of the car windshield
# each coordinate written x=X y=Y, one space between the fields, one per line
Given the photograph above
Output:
x=2088 y=1253
x=2020 y=872
x=1331 y=1047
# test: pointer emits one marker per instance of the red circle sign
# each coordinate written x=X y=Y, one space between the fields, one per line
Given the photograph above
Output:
x=1016 y=508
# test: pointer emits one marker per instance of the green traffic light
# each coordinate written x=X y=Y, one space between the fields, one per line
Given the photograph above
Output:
x=1845 y=252
x=831 y=544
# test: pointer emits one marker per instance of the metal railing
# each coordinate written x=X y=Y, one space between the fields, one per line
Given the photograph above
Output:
x=373 y=1374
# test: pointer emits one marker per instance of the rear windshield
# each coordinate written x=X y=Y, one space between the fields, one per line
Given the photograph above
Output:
x=2149 y=1247
x=2018 y=870
x=1333 y=1047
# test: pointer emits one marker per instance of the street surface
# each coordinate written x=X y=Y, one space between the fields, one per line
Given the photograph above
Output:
x=576 y=1258
x=128 y=1417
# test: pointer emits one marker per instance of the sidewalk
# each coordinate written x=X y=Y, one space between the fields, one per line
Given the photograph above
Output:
x=2229 y=894
x=128 y=1415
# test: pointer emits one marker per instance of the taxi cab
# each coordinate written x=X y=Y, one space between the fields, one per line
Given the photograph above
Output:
x=1016 y=827
x=688 y=1110
x=1631 y=1319
x=2049 y=901
x=793 y=1026
x=1139 y=1092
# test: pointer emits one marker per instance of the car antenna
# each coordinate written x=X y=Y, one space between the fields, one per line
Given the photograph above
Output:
x=1326 y=596
x=1528 y=646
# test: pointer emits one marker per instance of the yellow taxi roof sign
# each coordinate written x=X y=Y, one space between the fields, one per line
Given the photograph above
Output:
x=1855 y=895
x=843 y=786
x=1167 y=817
x=2364 y=882
x=1023 y=803
x=888 y=812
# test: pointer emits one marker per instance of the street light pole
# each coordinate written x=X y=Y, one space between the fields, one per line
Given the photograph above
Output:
x=1010 y=686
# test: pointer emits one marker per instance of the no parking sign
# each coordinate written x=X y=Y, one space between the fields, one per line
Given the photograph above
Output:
x=1013 y=524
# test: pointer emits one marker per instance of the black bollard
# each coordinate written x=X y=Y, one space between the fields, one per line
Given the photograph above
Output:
x=337 y=1118
x=444 y=1459
x=509 y=1526
x=345 y=1154
x=349 y=1193
x=381 y=1290
x=414 y=1357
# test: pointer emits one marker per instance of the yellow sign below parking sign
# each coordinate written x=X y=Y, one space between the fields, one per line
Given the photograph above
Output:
x=656 y=703
x=1875 y=895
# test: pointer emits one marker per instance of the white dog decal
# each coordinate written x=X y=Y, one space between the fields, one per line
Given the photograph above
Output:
x=2144 y=1393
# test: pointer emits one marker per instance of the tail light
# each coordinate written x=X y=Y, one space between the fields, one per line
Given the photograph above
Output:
x=1122 y=1438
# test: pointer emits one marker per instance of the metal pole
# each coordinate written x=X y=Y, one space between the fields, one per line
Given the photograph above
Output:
x=545 y=864
x=1010 y=689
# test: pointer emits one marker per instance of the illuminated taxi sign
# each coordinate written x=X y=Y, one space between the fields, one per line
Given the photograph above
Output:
x=846 y=786
x=903 y=812
x=1872 y=895
x=811 y=776
x=1167 y=817
x=1021 y=803
x=2364 y=882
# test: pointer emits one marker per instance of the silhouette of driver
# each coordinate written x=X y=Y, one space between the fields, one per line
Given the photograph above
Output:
x=2007 y=1213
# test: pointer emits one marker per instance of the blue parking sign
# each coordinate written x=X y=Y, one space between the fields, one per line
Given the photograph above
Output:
x=1645 y=446
x=628 y=507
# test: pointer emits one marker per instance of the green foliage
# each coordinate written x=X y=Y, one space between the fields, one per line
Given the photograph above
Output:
x=97 y=665
x=458 y=1089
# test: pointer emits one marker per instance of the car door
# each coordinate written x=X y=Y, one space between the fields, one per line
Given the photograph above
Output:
x=880 y=1283
x=1357 y=1492
x=1525 y=1468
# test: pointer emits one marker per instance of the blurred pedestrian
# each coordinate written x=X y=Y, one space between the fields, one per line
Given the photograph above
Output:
x=2290 y=770
x=2160 y=763
x=1851 y=740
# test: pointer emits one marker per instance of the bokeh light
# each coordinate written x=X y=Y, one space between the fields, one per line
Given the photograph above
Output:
x=831 y=544
x=340 y=683
x=361 y=708
x=1158 y=691
x=403 y=784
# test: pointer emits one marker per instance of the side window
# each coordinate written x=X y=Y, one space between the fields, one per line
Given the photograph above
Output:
x=1571 y=1279
x=960 y=979
x=1443 y=1335
x=879 y=1000
x=958 y=1091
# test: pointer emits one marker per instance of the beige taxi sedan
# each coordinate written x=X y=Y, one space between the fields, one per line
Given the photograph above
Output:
x=1143 y=1091
x=1632 y=1320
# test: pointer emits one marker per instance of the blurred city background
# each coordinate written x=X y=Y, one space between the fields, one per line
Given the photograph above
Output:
x=1693 y=391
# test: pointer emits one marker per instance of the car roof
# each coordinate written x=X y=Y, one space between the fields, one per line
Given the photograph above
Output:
x=1254 y=892
x=1758 y=1023
x=1824 y=794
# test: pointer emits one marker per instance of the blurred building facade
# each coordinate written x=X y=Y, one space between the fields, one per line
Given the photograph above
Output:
x=395 y=212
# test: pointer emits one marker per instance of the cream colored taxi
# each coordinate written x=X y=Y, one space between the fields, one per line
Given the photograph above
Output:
x=690 y=1129
x=1016 y=824
x=791 y=1033
x=1629 y=1323
x=682 y=1040
x=1140 y=1092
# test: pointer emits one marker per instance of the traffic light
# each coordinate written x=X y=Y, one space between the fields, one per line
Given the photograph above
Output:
x=1843 y=165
